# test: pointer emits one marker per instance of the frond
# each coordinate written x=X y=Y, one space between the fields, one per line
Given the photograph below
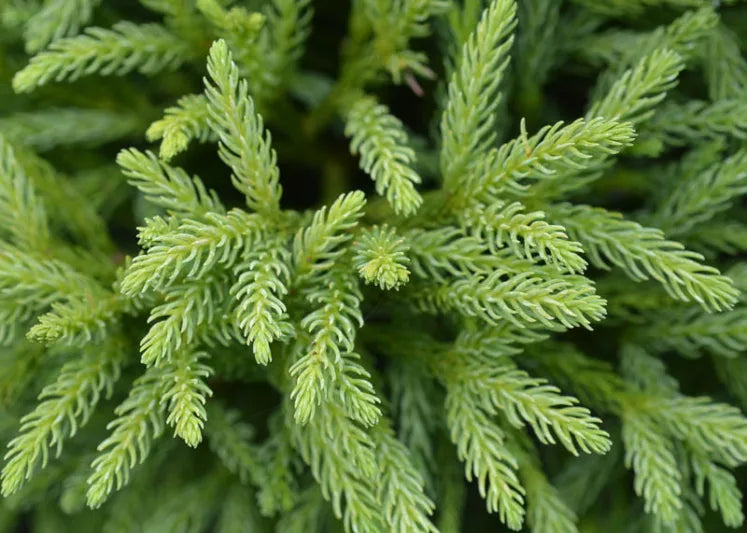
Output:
x=692 y=333
x=167 y=186
x=289 y=25
x=468 y=122
x=719 y=236
x=527 y=400
x=244 y=143
x=65 y=406
x=644 y=253
x=328 y=357
x=414 y=411
x=55 y=20
x=704 y=195
x=646 y=372
x=127 y=47
x=186 y=395
x=650 y=454
x=723 y=493
x=526 y=234
x=519 y=298
x=30 y=283
x=139 y=420
x=546 y=510
x=384 y=153
x=181 y=124
x=639 y=89
x=695 y=122
x=317 y=246
x=261 y=281
x=480 y=445
x=79 y=321
x=193 y=250
x=546 y=155
x=176 y=323
x=724 y=66
x=405 y=505
x=343 y=462
x=715 y=429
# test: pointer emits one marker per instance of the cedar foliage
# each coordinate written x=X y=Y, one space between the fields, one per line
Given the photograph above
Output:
x=491 y=251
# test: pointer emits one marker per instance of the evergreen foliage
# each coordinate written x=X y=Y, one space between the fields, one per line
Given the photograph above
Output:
x=494 y=251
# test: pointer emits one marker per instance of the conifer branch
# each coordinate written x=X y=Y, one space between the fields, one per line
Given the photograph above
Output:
x=644 y=253
x=480 y=444
x=406 y=506
x=650 y=455
x=384 y=154
x=57 y=19
x=181 y=124
x=244 y=143
x=127 y=47
x=525 y=234
x=192 y=250
x=639 y=89
x=518 y=298
x=45 y=129
x=186 y=395
x=548 y=154
x=79 y=321
x=724 y=66
x=317 y=246
x=468 y=122
x=723 y=492
x=343 y=462
x=65 y=406
x=22 y=212
x=261 y=281
x=139 y=420
x=168 y=186
x=703 y=196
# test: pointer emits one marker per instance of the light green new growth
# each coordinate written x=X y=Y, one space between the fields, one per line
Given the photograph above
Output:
x=181 y=124
x=244 y=144
x=644 y=253
x=548 y=154
x=167 y=186
x=381 y=258
x=650 y=455
x=526 y=234
x=468 y=122
x=322 y=242
x=382 y=143
x=186 y=395
x=261 y=281
x=633 y=96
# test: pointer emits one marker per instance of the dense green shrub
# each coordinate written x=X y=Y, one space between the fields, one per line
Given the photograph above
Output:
x=431 y=282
